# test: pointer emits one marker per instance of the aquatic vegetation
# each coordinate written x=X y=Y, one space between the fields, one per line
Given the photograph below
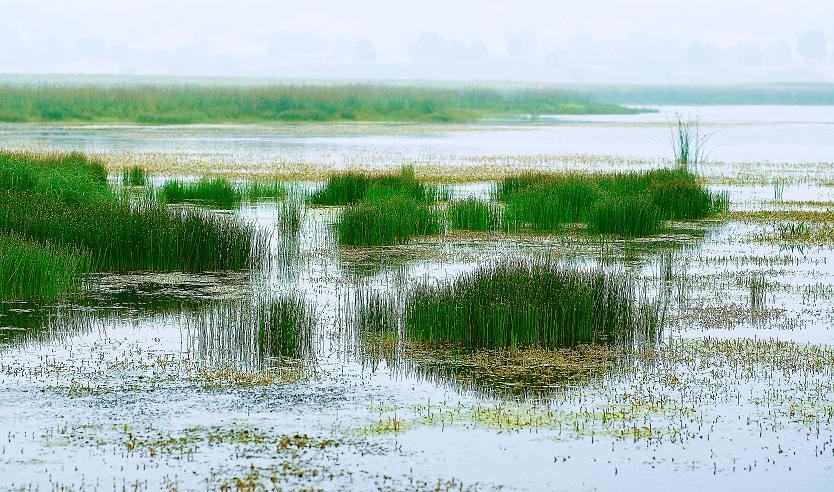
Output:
x=70 y=178
x=626 y=217
x=387 y=220
x=30 y=270
x=546 y=201
x=290 y=213
x=124 y=236
x=526 y=304
x=134 y=176
x=246 y=336
x=218 y=191
x=285 y=326
x=476 y=215
x=688 y=143
x=349 y=187
x=254 y=191
x=289 y=103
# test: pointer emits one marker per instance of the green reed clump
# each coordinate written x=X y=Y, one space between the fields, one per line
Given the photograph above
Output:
x=134 y=176
x=31 y=270
x=349 y=187
x=217 y=191
x=630 y=217
x=545 y=201
x=123 y=236
x=71 y=178
x=290 y=213
x=476 y=215
x=527 y=304
x=285 y=326
x=386 y=220
x=254 y=191
x=688 y=143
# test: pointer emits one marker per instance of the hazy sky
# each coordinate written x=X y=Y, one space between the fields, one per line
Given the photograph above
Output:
x=713 y=41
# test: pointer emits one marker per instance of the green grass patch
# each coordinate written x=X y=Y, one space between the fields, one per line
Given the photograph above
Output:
x=626 y=216
x=65 y=200
x=387 y=220
x=31 y=270
x=475 y=215
x=69 y=178
x=285 y=326
x=349 y=187
x=216 y=191
x=527 y=304
x=134 y=176
x=546 y=201
x=288 y=103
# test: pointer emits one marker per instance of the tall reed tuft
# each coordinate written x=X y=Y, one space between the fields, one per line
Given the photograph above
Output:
x=476 y=215
x=216 y=191
x=387 y=220
x=134 y=176
x=31 y=270
x=527 y=304
x=349 y=187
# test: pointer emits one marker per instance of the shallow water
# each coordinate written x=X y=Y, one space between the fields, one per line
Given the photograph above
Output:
x=126 y=387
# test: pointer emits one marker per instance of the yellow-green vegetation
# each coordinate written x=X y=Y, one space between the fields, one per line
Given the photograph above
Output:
x=288 y=103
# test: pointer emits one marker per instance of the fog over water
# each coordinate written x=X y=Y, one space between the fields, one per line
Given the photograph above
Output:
x=645 y=41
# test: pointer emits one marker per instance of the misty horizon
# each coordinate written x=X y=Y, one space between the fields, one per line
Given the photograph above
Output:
x=598 y=42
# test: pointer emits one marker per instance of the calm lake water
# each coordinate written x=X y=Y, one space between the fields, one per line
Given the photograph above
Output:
x=133 y=386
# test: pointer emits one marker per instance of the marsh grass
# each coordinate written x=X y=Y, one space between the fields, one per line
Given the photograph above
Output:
x=349 y=187
x=71 y=178
x=688 y=143
x=256 y=333
x=215 y=191
x=123 y=236
x=516 y=303
x=387 y=220
x=627 y=217
x=472 y=214
x=254 y=191
x=285 y=326
x=134 y=176
x=547 y=201
x=287 y=103
x=31 y=270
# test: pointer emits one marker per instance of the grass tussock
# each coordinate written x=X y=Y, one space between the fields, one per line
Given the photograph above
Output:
x=386 y=220
x=134 y=176
x=285 y=326
x=527 y=304
x=475 y=215
x=216 y=191
x=65 y=200
x=288 y=103
x=546 y=201
x=69 y=178
x=31 y=270
x=349 y=187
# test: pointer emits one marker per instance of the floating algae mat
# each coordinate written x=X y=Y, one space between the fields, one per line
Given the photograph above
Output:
x=374 y=323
